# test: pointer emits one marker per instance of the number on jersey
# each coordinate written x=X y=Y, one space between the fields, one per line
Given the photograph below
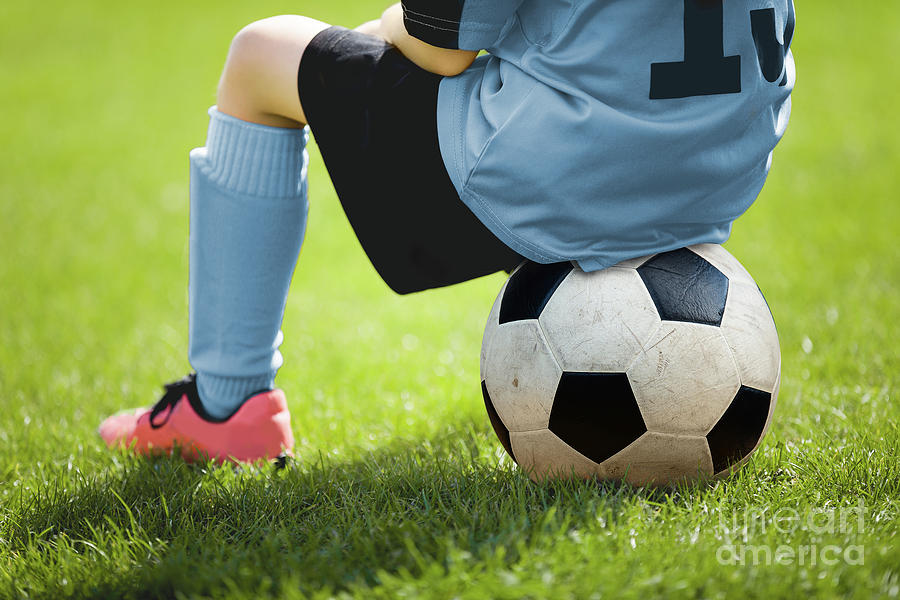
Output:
x=705 y=70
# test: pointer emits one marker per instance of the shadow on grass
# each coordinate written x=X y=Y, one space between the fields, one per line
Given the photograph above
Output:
x=151 y=528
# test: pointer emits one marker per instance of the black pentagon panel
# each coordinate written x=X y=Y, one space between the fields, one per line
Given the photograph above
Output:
x=738 y=431
x=530 y=288
x=499 y=428
x=685 y=287
x=596 y=413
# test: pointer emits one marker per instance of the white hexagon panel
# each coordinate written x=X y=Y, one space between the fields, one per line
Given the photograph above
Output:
x=661 y=458
x=684 y=379
x=586 y=323
x=750 y=331
x=520 y=375
x=542 y=454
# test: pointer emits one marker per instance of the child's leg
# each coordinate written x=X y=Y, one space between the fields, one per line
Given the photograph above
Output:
x=248 y=213
x=373 y=112
x=248 y=217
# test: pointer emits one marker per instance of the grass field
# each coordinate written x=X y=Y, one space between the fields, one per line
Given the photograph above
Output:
x=402 y=489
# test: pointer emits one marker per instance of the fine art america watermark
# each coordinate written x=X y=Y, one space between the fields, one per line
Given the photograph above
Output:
x=820 y=522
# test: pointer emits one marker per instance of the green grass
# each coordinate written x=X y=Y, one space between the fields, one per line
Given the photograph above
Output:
x=401 y=490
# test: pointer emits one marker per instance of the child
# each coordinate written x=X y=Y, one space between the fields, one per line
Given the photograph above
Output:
x=592 y=131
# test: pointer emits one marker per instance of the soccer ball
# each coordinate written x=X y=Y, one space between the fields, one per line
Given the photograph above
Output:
x=660 y=369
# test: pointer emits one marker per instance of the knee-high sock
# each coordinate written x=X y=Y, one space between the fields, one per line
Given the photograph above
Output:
x=248 y=218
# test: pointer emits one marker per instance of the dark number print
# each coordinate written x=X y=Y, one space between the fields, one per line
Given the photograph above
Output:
x=705 y=70
x=771 y=53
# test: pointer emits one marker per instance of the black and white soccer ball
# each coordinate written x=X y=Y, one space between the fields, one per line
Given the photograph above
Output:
x=660 y=369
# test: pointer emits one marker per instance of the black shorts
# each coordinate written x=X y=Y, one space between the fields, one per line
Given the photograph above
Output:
x=374 y=117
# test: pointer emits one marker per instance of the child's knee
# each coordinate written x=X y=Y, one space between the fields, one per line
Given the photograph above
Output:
x=246 y=56
x=262 y=64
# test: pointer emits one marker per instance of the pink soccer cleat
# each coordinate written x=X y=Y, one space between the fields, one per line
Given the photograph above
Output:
x=260 y=429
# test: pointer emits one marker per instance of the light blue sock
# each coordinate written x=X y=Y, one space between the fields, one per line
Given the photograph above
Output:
x=248 y=218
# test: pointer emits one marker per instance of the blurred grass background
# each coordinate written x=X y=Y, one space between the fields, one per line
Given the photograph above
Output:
x=101 y=102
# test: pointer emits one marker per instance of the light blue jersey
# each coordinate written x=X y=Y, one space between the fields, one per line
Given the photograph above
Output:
x=600 y=130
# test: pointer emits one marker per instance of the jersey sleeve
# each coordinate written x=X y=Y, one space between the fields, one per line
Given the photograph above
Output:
x=457 y=24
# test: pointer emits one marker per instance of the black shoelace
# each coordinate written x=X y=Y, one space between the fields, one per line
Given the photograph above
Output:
x=174 y=392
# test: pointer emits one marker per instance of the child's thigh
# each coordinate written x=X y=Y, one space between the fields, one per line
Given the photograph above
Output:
x=259 y=82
